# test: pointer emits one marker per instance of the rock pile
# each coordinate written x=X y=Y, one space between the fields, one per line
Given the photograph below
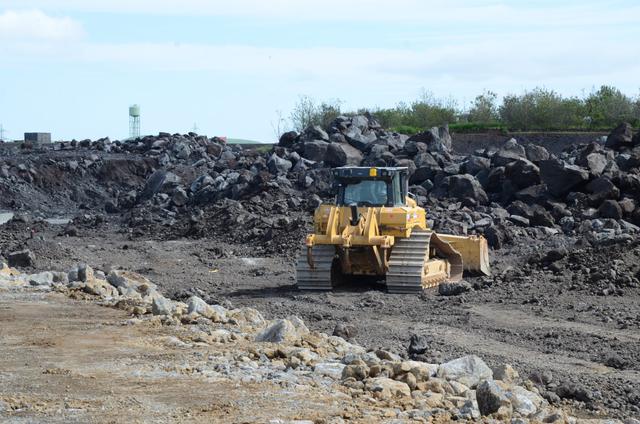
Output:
x=285 y=349
x=190 y=185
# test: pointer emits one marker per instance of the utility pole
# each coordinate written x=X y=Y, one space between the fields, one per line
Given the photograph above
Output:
x=195 y=128
x=2 y=131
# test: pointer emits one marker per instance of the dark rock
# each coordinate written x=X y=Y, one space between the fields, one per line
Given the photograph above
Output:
x=475 y=164
x=555 y=255
x=560 y=177
x=620 y=137
x=491 y=397
x=315 y=150
x=437 y=139
x=520 y=221
x=345 y=331
x=593 y=158
x=339 y=154
x=602 y=189
x=542 y=217
x=314 y=132
x=454 y=289
x=610 y=209
x=288 y=139
x=536 y=153
x=508 y=153
x=111 y=206
x=523 y=173
x=466 y=187
x=534 y=194
x=614 y=360
x=22 y=258
x=419 y=344
x=521 y=209
x=628 y=205
x=159 y=181
x=278 y=165
x=495 y=236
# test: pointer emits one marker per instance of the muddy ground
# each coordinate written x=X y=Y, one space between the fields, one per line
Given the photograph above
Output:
x=540 y=317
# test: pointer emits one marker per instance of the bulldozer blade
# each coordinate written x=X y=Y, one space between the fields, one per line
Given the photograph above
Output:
x=474 y=251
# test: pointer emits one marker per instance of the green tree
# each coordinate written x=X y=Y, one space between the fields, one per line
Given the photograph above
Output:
x=484 y=109
x=307 y=112
x=609 y=106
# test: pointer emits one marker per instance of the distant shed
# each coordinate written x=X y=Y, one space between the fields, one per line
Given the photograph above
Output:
x=37 y=137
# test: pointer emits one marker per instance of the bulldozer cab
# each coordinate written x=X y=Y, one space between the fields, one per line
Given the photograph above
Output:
x=364 y=186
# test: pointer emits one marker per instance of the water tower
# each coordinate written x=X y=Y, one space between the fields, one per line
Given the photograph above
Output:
x=134 y=121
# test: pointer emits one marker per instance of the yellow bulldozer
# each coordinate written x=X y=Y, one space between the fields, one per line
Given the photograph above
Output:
x=376 y=229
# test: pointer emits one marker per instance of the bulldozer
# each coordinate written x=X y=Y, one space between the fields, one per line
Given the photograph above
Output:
x=375 y=228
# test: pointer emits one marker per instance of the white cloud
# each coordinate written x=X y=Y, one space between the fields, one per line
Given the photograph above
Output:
x=36 y=25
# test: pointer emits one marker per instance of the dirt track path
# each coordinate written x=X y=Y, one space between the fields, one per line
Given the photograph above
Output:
x=65 y=361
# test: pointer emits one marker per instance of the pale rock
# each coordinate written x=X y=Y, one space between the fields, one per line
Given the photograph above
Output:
x=458 y=388
x=468 y=370
x=506 y=373
x=85 y=273
x=386 y=388
x=279 y=331
x=162 y=306
x=247 y=316
x=41 y=279
x=330 y=369
x=524 y=402
x=215 y=313
x=128 y=279
x=221 y=336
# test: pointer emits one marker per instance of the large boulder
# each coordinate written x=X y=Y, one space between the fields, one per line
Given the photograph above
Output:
x=21 y=258
x=561 y=177
x=602 y=189
x=491 y=397
x=437 y=139
x=594 y=158
x=288 y=139
x=159 y=182
x=315 y=150
x=341 y=154
x=522 y=173
x=282 y=330
x=610 y=209
x=468 y=370
x=536 y=153
x=474 y=164
x=314 y=132
x=508 y=153
x=278 y=165
x=358 y=138
x=215 y=313
x=466 y=187
x=620 y=137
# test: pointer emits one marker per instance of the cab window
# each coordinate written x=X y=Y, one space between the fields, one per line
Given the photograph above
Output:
x=366 y=192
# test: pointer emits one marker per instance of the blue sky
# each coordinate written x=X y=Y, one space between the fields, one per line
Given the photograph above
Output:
x=72 y=67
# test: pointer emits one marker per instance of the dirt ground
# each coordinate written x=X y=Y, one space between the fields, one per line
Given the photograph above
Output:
x=537 y=326
x=67 y=361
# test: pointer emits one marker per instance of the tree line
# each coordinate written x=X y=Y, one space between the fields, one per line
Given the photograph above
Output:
x=540 y=109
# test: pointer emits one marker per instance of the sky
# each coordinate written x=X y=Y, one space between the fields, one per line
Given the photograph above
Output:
x=234 y=68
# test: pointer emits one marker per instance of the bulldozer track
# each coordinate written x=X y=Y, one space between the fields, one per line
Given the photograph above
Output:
x=407 y=263
x=319 y=277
